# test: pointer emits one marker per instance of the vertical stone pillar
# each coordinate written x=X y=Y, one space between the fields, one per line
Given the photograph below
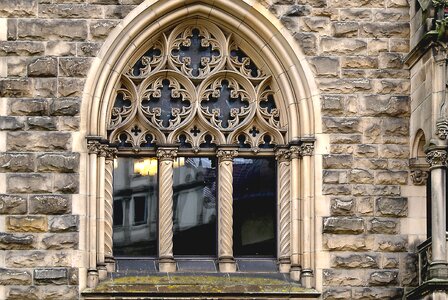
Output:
x=296 y=248
x=225 y=210
x=101 y=163
x=166 y=158
x=93 y=147
x=108 y=210
x=307 y=214
x=283 y=157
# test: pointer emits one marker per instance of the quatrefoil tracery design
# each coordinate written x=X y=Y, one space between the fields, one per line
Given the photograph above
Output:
x=196 y=86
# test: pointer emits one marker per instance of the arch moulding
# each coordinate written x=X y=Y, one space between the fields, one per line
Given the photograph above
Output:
x=265 y=35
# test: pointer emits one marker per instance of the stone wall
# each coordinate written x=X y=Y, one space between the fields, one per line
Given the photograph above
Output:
x=356 y=50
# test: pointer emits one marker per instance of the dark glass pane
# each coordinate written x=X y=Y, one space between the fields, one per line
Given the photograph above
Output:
x=135 y=188
x=194 y=201
x=254 y=206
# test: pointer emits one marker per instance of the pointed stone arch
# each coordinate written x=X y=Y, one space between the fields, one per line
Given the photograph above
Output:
x=264 y=35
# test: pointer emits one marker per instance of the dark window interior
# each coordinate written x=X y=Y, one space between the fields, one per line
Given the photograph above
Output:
x=254 y=207
x=118 y=213
x=140 y=209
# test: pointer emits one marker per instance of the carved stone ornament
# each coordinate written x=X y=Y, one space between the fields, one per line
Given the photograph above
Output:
x=166 y=154
x=283 y=155
x=224 y=155
x=307 y=149
x=436 y=158
x=442 y=129
x=419 y=177
x=94 y=147
x=199 y=86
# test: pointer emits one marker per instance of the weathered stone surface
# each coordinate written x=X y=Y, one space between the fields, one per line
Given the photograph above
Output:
x=41 y=29
x=69 y=123
x=409 y=270
x=27 y=223
x=65 y=107
x=12 y=204
x=342 y=45
x=100 y=29
x=16 y=162
x=364 y=206
x=47 y=292
x=58 y=162
x=18 y=8
x=382 y=105
x=15 y=87
x=349 y=261
x=394 y=151
x=375 y=190
x=345 y=138
x=16 y=241
x=41 y=123
x=338 y=242
x=31 y=107
x=89 y=49
x=359 y=62
x=351 y=225
x=117 y=11
x=308 y=41
x=325 y=66
x=70 y=87
x=345 y=85
x=341 y=125
x=390 y=261
x=381 y=30
x=380 y=225
x=69 y=11
x=335 y=277
x=365 y=150
x=30 y=259
x=370 y=163
x=334 y=176
x=391 y=243
x=61 y=48
x=336 y=189
x=392 y=206
x=74 y=66
x=50 y=204
x=44 y=87
x=345 y=29
x=29 y=183
x=21 y=48
x=391 y=177
x=57 y=241
x=367 y=293
x=335 y=293
x=38 y=141
x=43 y=67
x=361 y=176
x=14 y=277
x=355 y=14
x=383 y=278
x=11 y=123
x=337 y=161
x=316 y=23
x=389 y=60
x=50 y=276
x=66 y=183
x=63 y=223
x=342 y=206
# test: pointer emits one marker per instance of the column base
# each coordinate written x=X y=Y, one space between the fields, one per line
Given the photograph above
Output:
x=438 y=270
x=307 y=276
x=110 y=263
x=102 y=271
x=92 y=278
x=284 y=265
x=295 y=272
x=227 y=265
x=167 y=265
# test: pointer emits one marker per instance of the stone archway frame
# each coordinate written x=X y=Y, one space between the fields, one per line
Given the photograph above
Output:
x=294 y=80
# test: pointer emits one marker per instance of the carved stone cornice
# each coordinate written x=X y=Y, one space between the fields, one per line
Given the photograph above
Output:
x=226 y=154
x=436 y=158
x=419 y=177
x=442 y=129
x=166 y=153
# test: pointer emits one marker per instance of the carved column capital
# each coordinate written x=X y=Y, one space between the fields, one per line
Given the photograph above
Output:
x=436 y=158
x=166 y=154
x=226 y=154
x=419 y=177
x=442 y=129
x=94 y=146
x=111 y=153
x=307 y=148
x=283 y=155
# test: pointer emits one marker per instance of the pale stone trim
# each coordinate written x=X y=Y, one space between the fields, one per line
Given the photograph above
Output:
x=102 y=272
x=108 y=217
x=225 y=210
x=92 y=280
x=3 y=29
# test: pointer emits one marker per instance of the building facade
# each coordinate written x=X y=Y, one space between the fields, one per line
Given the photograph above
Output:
x=217 y=149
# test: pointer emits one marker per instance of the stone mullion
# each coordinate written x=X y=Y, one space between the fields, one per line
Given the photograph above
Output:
x=108 y=211
x=166 y=159
x=284 y=210
x=225 y=210
x=295 y=217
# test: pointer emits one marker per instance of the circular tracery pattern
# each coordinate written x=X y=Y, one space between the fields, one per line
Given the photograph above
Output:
x=198 y=87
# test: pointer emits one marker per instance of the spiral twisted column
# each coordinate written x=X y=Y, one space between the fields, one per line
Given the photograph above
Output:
x=166 y=158
x=108 y=210
x=225 y=210
x=100 y=207
x=283 y=157
x=296 y=221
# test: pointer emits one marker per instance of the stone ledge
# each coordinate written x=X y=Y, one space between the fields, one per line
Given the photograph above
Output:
x=200 y=286
x=427 y=288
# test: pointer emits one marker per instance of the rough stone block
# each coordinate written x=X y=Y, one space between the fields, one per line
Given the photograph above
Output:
x=47 y=292
x=12 y=204
x=390 y=261
x=43 y=67
x=336 y=189
x=27 y=223
x=337 y=162
x=117 y=11
x=334 y=277
x=409 y=270
x=361 y=176
x=331 y=176
x=33 y=107
x=69 y=123
x=391 y=243
x=15 y=277
x=355 y=14
x=61 y=48
x=385 y=226
x=394 y=151
x=29 y=183
x=392 y=206
x=392 y=15
x=364 y=150
x=325 y=66
x=352 y=225
x=58 y=162
x=316 y=24
x=359 y=62
x=38 y=141
x=21 y=48
x=358 y=260
x=50 y=204
x=41 y=29
x=383 y=278
x=65 y=107
x=18 y=8
x=341 y=125
x=15 y=87
x=31 y=259
x=100 y=29
x=41 y=123
x=74 y=66
x=345 y=85
x=66 y=183
x=337 y=293
x=16 y=241
x=375 y=190
x=69 y=11
x=338 y=242
x=359 y=3
x=382 y=105
x=308 y=41
x=345 y=138
x=11 y=123
x=63 y=223
x=57 y=241
x=370 y=163
x=70 y=87
x=53 y=276
x=385 y=30
x=342 y=206
x=16 y=162
x=364 y=206
x=44 y=87
x=391 y=177
x=345 y=29
x=342 y=46
x=88 y=49
x=371 y=293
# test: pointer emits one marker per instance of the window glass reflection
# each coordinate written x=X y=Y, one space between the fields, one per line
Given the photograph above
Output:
x=254 y=206
x=194 y=206
x=135 y=207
